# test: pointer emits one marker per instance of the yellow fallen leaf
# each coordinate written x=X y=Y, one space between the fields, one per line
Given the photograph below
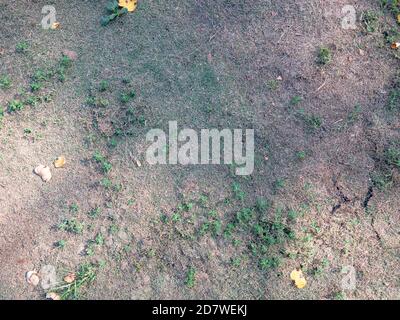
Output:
x=59 y=162
x=398 y=18
x=395 y=45
x=129 y=4
x=55 y=25
x=300 y=283
x=296 y=274
x=298 y=278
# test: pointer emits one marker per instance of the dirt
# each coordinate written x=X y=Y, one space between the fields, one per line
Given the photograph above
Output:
x=206 y=64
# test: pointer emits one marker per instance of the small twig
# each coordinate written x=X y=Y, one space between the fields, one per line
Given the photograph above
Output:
x=321 y=86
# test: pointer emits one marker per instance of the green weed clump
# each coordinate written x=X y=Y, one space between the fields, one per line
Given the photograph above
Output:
x=85 y=275
x=5 y=82
x=324 y=56
x=113 y=12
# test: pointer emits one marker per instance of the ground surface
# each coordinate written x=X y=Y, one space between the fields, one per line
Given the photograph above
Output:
x=324 y=193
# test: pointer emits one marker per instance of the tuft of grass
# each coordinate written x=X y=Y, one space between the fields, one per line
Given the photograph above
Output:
x=94 y=213
x=237 y=191
x=36 y=86
x=394 y=99
x=73 y=208
x=113 y=11
x=190 y=277
x=296 y=100
x=85 y=275
x=104 y=85
x=324 y=56
x=382 y=180
x=301 y=155
x=313 y=122
x=5 y=82
x=60 y=244
x=15 y=105
x=279 y=184
x=71 y=225
x=262 y=205
x=393 y=156
x=273 y=84
x=354 y=115
x=105 y=165
x=125 y=97
x=370 y=21
x=22 y=47
x=1 y=115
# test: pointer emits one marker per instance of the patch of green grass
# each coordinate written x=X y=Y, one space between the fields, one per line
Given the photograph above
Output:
x=85 y=275
x=105 y=165
x=74 y=208
x=5 y=82
x=113 y=12
x=106 y=183
x=113 y=229
x=94 y=213
x=292 y=215
x=1 y=115
x=324 y=56
x=104 y=85
x=301 y=155
x=203 y=200
x=36 y=86
x=382 y=180
x=392 y=156
x=273 y=84
x=279 y=184
x=190 y=280
x=22 y=47
x=71 y=225
x=393 y=103
x=41 y=75
x=269 y=263
x=125 y=97
x=237 y=191
x=15 y=105
x=32 y=101
x=244 y=215
x=339 y=296
x=296 y=100
x=236 y=262
x=60 y=244
x=313 y=122
x=262 y=205
x=27 y=131
x=370 y=21
x=354 y=115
